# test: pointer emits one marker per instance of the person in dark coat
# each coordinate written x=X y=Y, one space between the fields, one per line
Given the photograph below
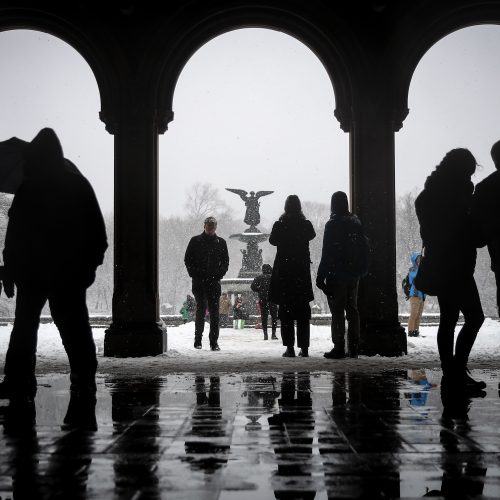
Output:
x=291 y=286
x=56 y=238
x=486 y=215
x=344 y=260
x=261 y=284
x=207 y=261
x=449 y=259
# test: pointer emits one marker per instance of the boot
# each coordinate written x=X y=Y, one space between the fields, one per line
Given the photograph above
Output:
x=304 y=352
x=197 y=342
x=470 y=383
x=273 y=336
x=413 y=333
x=353 y=352
x=289 y=353
x=335 y=353
x=265 y=335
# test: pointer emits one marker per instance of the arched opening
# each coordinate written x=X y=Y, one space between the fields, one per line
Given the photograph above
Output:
x=254 y=110
x=453 y=102
x=47 y=83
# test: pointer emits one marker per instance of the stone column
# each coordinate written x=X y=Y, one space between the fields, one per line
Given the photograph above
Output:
x=136 y=329
x=373 y=200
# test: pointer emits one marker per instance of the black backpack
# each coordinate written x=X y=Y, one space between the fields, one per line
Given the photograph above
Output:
x=405 y=285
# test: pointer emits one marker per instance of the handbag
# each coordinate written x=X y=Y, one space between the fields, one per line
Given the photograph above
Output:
x=431 y=275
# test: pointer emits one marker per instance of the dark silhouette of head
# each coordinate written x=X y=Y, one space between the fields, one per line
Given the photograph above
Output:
x=495 y=154
x=267 y=269
x=458 y=162
x=293 y=207
x=44 y=154
x=339 y=204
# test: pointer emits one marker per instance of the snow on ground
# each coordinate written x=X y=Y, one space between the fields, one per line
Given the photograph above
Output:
x=246 y=351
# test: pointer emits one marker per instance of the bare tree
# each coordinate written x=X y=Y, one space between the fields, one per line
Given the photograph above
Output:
x=202 y=200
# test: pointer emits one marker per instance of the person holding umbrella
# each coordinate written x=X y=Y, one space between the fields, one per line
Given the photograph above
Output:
x=55 y=241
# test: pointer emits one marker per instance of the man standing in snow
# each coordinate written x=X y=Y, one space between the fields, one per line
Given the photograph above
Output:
x=55 y=241
x=344 y=260
x=207 y=261
x=485 y=214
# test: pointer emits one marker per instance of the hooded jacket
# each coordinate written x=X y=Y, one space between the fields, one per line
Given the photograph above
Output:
x=262 y=283
x=345 y=249
x=412 y=272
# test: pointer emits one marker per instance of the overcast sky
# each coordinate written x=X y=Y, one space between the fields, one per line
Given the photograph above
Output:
x=254 y=110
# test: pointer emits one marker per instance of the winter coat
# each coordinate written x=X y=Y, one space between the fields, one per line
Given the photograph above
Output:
x=261 y=284
x=291 y=278
x=412 y=272
x=443 y=211
x=224 y=305
x=345 y=250
x=56 y=234
x=486 y=216
x=239 y=311
x=207 y=258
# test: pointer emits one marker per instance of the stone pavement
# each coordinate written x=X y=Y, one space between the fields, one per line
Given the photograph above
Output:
x=255 y=436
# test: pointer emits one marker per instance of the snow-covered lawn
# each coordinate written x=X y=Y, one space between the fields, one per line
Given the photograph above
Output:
x=245 y=350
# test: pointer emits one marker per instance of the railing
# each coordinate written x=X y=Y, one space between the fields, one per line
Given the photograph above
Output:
x=103 y=321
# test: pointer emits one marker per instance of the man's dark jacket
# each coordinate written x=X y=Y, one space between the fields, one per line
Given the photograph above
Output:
x=207 y=258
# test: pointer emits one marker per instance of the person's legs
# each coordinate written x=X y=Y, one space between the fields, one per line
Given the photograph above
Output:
x=69 y=311
x=264 y=312
x=449 y=313
x=414 y=312
x=337 y=303
x=273 y=309
x=20 y=360
x=303 y=333
x=419 y=315
x=287 y=327
x=213 y=295
x=201 y=306
x=470 y=305
x=352 y=314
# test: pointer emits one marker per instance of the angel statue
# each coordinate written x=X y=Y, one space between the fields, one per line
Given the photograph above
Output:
x=252 y=215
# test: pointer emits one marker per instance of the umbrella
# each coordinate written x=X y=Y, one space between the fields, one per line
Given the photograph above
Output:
x=11 y=164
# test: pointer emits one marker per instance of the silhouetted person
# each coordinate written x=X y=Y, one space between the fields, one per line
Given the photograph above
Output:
x=416 y=297
x=207 y=261
x=206 y=446
x=447 y=268
x=292 y=429
x=462 y=478
x=344 y=260
x=225 y=307
x=55 y=240
x=261 y=284
x=291 y=286
x=486 y=215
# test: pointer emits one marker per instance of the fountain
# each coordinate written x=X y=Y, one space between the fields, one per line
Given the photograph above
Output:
x=251 y=264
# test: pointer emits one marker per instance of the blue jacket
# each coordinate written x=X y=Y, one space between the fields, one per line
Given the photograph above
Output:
x=412 y=273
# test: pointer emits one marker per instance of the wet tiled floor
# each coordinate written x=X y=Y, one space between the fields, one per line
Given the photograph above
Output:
x=256 y=436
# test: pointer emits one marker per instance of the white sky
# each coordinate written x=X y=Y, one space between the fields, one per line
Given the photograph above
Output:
x=254 y=110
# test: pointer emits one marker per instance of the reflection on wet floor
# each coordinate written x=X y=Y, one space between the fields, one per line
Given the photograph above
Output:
x=255 y=436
